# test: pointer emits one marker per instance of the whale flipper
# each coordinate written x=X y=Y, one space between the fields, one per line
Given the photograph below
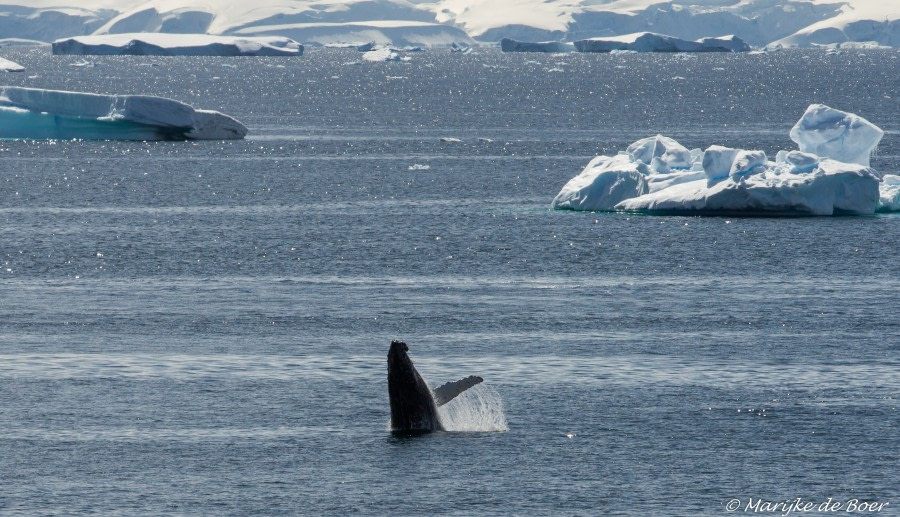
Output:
x=449 y=391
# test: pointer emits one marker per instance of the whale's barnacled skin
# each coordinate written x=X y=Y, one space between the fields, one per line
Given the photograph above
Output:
x=413 y=406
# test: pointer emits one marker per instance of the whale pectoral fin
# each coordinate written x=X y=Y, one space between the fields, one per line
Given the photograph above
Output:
x=449 y=391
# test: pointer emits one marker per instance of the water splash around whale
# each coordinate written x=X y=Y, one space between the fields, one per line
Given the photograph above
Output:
x=478 y=409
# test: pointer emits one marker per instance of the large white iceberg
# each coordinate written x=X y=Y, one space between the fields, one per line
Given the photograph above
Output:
x=31 y=113
x=776 y=189
x=658 y=175
x=154 y=44
x=652 y=42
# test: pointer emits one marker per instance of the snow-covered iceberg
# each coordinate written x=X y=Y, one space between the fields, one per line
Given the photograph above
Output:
x=9 y=66
x=30 y=113
x=154 y=44
x=652 y=42
x=830 y=174
x=511 y=45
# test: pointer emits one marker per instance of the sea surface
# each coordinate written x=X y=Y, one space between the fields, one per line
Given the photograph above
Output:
x=201 y=328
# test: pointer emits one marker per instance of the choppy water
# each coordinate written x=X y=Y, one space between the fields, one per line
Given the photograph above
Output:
x=202 y=328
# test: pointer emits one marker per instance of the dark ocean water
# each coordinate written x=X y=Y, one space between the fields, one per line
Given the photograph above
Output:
x=201 y=328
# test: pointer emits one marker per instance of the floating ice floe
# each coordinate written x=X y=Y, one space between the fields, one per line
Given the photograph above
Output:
x=30 y=113
x=9 y=66
x=511 y=45
x=464 y=49
x=156 y=44
x=383 y=55
x=652 y=42
x=829 y=174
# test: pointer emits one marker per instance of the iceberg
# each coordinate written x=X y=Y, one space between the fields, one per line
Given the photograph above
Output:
x=31 y=113
x=829 y=175
x=22 y=42
x=154 y=44
x=511 y=45
x=9 y=66
x=832 y=188
x=383 y=55
x=652 y=42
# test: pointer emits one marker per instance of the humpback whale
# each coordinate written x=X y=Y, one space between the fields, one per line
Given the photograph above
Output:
x=413 y=404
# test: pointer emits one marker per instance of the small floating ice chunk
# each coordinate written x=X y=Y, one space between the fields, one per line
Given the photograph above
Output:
x=9 y=66
x=836 y=134
x=463 y=49
x=381 y=55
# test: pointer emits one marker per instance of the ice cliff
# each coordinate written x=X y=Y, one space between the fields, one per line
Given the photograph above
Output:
x=442 y=22
x=153 y=44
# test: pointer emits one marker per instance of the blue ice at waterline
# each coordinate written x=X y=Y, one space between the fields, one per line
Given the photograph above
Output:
x=31 y=113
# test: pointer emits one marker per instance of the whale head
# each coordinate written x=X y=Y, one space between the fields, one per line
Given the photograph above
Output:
x=398 y=358
x=412 y=404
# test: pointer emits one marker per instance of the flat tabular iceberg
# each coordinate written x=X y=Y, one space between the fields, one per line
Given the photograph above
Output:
x=152 y=44
x=511 y=45
x=30 y=113
x=659 y=175
x=652 y=42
